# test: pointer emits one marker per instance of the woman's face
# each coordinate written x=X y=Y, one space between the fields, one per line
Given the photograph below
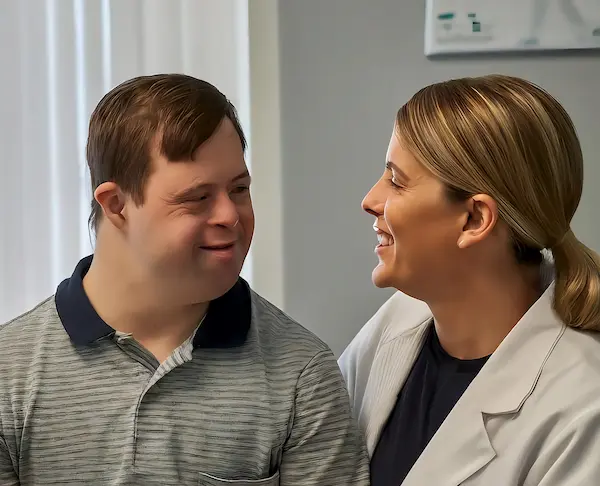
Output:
x=417 y=226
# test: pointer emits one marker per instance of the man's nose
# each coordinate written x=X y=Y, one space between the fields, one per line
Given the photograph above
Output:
x=225 y=211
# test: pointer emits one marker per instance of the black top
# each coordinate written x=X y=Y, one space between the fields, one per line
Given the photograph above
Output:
x=432 y=388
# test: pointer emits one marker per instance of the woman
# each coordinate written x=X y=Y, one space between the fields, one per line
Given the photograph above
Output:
x=485 y=368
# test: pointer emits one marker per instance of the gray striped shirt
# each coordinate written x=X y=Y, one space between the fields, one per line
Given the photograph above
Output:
x=264 y=405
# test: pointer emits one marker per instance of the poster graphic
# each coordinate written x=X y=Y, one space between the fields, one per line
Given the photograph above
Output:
x=461 y=26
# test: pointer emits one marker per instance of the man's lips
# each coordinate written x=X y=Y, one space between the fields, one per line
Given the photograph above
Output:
x=224 y=252
x=219 y=246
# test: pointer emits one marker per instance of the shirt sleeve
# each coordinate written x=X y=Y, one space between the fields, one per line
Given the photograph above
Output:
x=325 y=446
x=8 y=476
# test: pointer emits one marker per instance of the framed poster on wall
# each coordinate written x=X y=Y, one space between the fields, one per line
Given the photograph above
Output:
x=463 y=26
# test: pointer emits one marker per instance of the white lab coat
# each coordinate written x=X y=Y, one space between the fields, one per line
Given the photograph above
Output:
x=530 y=417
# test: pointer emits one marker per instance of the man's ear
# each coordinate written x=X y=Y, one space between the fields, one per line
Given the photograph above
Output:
x=112 y=200
x=481 y=220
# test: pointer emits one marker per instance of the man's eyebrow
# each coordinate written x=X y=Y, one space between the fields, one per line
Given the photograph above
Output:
x=196 y=189
x=389 y=165
x=243 y=175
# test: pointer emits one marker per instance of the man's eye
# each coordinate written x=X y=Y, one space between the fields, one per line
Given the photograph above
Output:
x=196 y=200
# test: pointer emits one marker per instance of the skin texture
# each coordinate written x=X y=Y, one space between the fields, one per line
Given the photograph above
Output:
x=420 y=227
x=168 y=252
x=189 y=208
x=454 y=255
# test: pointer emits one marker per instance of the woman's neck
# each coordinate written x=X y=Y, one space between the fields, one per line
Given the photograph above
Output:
x=472 y=324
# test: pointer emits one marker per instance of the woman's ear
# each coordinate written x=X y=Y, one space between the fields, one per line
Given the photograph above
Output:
x=481 y=220
x=112 y=200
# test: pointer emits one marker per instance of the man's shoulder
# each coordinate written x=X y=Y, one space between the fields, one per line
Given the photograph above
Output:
x=277 y=330
x=31 y=319
x=19 y=335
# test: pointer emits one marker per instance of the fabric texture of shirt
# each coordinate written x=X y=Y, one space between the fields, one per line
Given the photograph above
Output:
x=434 y=385
x=251 y=398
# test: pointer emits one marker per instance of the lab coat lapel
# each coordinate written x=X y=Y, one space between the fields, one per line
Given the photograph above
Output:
x=391 y=366
x=461 y=446
x=459 y=449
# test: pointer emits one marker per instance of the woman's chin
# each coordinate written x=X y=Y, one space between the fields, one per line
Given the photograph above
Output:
x=381 y=277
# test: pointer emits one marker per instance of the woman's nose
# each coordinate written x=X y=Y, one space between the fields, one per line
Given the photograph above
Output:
x=373 y=203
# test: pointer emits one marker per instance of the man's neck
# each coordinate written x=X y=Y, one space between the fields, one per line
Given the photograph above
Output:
x=135 y=306
x=473 y=323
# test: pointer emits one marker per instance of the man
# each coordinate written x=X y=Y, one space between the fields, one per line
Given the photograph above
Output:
x=154 y=363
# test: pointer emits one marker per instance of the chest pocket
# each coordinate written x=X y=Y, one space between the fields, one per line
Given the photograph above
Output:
x=208 y=480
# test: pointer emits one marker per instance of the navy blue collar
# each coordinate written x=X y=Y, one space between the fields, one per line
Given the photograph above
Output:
x=226 y=324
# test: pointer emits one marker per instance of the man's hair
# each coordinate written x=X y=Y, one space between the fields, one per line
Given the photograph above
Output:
x=173 y=112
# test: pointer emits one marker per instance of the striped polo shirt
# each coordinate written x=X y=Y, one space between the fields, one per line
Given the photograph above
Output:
x=252 y=398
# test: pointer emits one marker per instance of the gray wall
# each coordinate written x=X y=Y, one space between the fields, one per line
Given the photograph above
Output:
x=346 y=66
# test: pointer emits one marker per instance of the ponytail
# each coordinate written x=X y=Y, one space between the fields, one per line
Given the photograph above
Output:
x=577 y=288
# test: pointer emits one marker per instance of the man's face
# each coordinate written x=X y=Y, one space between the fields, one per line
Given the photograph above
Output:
x=193 y=232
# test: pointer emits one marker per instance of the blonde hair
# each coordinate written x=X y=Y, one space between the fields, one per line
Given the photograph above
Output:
x=510 y=139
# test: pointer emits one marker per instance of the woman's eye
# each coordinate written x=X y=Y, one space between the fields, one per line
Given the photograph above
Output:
x=240 y=189
x=394 y=184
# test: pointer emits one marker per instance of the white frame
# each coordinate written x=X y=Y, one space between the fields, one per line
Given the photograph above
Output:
x=469 y=26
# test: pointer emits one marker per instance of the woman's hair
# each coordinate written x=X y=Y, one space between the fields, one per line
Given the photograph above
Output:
x=508 y=138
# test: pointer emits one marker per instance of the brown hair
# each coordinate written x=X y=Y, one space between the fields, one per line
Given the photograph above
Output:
x=178 y=111
x=510 y=139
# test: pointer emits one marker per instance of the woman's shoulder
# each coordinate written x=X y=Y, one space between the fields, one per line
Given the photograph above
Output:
x=581 y=350
x=571 y=374
x=399 y=315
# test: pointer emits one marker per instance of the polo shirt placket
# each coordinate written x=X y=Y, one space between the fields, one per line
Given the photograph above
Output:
x=155 y=372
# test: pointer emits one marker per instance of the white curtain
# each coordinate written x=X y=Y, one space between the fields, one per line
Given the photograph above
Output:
x=57 y=59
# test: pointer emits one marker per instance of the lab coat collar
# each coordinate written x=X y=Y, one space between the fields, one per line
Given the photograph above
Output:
x=462 y=446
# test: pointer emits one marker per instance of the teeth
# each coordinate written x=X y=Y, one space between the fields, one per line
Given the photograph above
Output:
x=384 y=239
